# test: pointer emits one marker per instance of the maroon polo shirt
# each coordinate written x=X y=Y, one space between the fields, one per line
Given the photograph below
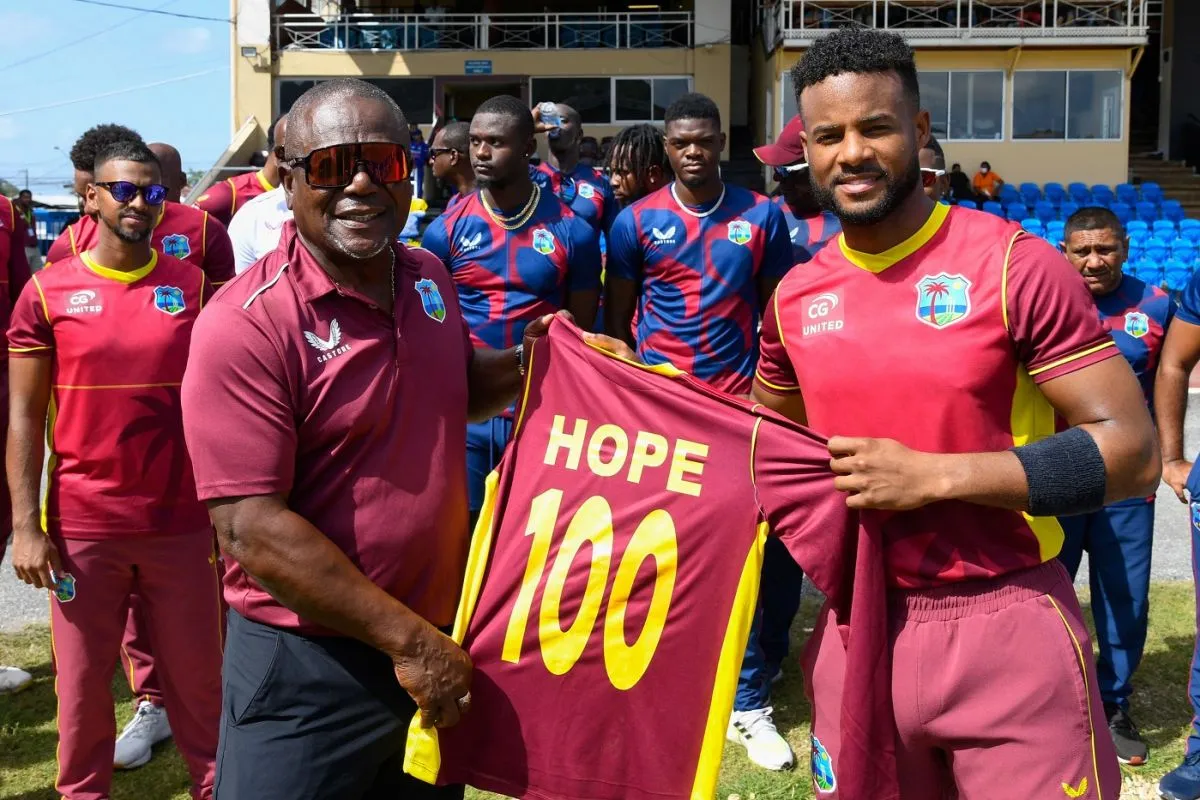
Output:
x=301 y=387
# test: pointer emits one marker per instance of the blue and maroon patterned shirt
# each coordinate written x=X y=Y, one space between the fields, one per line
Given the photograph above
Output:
x=699 y=303
x=506 y=279
x=808 y=234
x=1137 y=315
x=593 y=198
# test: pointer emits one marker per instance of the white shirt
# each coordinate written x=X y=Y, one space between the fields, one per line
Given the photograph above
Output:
x=256 y=227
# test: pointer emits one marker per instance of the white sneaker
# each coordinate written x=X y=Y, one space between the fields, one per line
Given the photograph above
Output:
x=755 y=730
x=135 y=745
x=13 y=679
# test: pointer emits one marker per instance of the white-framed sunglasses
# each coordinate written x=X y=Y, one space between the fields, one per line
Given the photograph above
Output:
x=783 y=172
x=929 y=175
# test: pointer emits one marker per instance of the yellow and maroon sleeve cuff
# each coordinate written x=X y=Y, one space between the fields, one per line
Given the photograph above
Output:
x=772 y=387
x=1085 y=357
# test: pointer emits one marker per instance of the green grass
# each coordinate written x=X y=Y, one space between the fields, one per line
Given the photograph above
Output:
x=1160 y=706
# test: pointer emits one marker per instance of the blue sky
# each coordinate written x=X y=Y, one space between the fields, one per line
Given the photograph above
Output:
x=192 y=114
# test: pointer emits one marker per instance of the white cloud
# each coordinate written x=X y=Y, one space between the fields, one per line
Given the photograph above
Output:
x=192 y=40
x=8 y=129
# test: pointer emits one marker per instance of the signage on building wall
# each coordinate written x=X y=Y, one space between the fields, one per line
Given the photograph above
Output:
x=479 y=66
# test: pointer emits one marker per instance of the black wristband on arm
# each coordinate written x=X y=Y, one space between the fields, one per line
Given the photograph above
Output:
x=1065 y=472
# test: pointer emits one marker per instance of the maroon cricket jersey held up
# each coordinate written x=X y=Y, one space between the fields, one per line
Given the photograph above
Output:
x=613 y=578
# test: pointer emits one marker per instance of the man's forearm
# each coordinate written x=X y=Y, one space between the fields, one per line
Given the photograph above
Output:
x=494 y=381
x=302 y=569
x=987 y=479
x=23 y=463
x=998 y=479
x=1170 y=406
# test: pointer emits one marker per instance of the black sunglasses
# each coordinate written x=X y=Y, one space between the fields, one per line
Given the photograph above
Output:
x=334 y=167
x=124 y=191
x=434 y=152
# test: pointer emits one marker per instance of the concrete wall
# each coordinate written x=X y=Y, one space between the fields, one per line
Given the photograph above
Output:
x=1016 y=161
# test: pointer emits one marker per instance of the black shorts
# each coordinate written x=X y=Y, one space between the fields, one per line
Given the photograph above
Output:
x=312 y=717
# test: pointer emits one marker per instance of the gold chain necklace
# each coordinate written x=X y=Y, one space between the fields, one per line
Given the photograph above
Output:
x=520 y=218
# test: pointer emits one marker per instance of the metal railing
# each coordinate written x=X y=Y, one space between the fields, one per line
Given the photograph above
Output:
x=546 y=31
x=958 y=21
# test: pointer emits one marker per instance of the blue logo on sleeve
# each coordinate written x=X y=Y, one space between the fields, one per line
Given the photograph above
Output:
x=431 y=299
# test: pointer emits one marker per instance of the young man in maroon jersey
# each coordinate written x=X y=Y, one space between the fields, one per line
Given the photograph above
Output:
x=180 y=231
x=937 y=346
x=149 y=725
x=99 y=344
x=14 y=273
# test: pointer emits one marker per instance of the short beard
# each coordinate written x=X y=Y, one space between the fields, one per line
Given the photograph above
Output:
x=131 y=238
x=494 y=183
x=897 y=191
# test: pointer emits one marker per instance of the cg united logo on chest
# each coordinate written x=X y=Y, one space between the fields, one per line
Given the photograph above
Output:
x=85 y=301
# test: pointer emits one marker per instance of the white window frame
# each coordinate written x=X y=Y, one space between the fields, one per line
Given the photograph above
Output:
x=612 y=95
x=1004 y=104
x=612 y=92
x=1067 y=106
x=785 y=86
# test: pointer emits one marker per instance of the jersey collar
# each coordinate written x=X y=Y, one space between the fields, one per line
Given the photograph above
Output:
x=132 y=276
x=262 y=180
x=878 y=262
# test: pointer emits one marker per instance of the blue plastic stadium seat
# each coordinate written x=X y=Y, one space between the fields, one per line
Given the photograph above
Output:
x=1164 y=229
x=1183 y=250
x=992 y=207
x=1016 y=211
x=1124 y=212
x=1045 y=210
x=1134 y=226
x=1103 y=195
x=1034 y=226
x=1176 y=274
x=1136 y=253
x=1055 y=193
x=1127 y=193
x=1008 y=194
x=1156 y=250
x=1147 y=212
x=1054 y=228
x=1031 y=193
x=1152 y=192
x=1184 y=224
x=1067 y=208
x=968 y=204
x=1149 y=271
x=1172 y=210
x=1190 y=234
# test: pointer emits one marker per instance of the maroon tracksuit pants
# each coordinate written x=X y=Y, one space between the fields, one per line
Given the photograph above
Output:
x=176 y=580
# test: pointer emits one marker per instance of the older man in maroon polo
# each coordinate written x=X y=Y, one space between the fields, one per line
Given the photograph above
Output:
x=325 y=409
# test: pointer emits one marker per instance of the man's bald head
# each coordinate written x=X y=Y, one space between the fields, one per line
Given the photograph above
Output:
x=171 y=163
x=321 y=110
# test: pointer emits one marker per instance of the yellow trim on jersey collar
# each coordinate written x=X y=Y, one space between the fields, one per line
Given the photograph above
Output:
x=878 y=262
x=262 y=180
x=117 y=275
